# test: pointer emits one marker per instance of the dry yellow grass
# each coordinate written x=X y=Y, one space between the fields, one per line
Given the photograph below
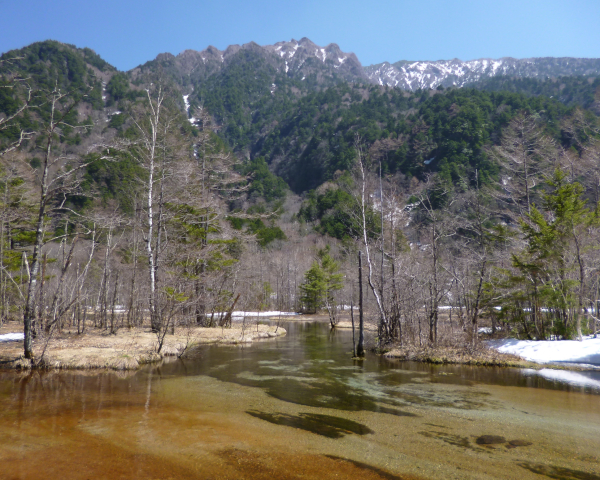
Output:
x=128 y=349
x=481 y=356
x=369 y=327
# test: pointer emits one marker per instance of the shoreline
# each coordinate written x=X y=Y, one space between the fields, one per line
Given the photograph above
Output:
x=130 y=349
x=484 y=355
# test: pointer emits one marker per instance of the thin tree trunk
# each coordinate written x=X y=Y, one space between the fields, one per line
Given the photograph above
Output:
x=58 y=294
x=30 y=312
x=360 y=349
x=132 y=295
x=383 y=320
x=352 y=318
x=114 y=301
x=41 y=312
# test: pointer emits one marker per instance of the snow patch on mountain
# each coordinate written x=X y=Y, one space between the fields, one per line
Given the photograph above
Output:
x=429 y=75
x=323 y=53
x=341 y=61
x=186 y=102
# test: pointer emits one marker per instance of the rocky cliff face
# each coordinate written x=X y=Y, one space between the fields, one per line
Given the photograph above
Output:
x=296 y=59
x=302 y=59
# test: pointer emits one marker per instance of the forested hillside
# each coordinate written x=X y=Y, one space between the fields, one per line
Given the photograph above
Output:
x=166 y=191
x=571 y=91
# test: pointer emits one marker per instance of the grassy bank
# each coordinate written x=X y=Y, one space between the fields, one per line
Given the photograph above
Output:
x=127 y=349
x=480 y=356
x=459 y=351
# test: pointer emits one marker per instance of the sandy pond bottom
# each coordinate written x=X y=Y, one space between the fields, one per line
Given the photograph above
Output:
x=289 y=409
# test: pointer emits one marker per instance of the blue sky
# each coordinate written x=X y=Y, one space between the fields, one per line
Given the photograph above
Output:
x=128 y=33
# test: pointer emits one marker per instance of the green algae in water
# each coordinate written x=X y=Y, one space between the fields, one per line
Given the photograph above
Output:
x=325 y=425
x=335 y=395
x=315 y=373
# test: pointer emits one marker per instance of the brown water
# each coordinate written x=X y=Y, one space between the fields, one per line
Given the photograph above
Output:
x=297 y=407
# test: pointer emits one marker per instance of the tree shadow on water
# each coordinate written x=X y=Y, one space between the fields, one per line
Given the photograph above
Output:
x=325 y=425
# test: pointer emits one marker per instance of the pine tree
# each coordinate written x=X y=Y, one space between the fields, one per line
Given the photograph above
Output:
x=546 y=287
x=321 y=280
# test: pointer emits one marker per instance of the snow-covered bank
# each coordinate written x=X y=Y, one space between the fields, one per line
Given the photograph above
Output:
x=571 y=351
x=241 y=314
x=11 y=337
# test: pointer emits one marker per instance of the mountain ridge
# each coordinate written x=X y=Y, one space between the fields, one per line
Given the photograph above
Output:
x=296 y=59
x=300 y=58
x=448 y=73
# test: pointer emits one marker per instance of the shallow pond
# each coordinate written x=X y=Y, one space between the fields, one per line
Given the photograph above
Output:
x=299 y=407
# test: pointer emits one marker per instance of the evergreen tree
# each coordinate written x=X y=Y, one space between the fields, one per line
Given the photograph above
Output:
x=314 y=288
x=321 y=280
x=545 y=289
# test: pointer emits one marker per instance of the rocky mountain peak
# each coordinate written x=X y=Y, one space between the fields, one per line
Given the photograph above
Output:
x=301 y=59
x=295 y=58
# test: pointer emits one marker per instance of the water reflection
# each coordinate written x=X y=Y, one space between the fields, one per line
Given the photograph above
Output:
x=310 y=366
x=43 y=394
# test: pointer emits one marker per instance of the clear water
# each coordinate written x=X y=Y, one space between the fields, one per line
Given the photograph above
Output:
x=299 y=407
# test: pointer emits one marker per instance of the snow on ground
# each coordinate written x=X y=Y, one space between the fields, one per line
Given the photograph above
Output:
x=347 y=307
x=571 y=351
x=241 y=314
x=11 y=337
